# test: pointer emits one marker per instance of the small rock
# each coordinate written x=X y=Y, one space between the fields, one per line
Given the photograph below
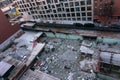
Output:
x=66 y=67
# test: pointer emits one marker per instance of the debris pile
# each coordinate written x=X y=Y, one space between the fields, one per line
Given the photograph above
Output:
x=87 y=47
x=82 y=76
x=62 y=58
x=88 y=64
x=22 y=47
x=19 y=53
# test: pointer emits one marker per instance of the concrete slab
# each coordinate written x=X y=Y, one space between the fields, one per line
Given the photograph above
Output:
x=86 y=50
x=37 y=75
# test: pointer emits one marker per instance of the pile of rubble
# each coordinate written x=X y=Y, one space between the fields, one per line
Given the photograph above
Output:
x=19 y=53
x=62 y=58
x=22 y=47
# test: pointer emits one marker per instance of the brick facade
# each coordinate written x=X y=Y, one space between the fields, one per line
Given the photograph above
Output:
x=104 y=13
x=6 y=29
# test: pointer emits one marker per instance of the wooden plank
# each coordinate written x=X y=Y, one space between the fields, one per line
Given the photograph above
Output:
x=38 y=34
x=38 y=48
x=35 y=52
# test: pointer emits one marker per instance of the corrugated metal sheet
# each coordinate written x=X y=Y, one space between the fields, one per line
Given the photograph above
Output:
x=106 y=57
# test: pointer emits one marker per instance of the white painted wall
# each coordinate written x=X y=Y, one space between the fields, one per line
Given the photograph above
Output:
x=63 y=21
x=26 y=16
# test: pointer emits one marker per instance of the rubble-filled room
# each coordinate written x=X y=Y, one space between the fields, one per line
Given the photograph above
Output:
x=62 y=58
x=72 y=59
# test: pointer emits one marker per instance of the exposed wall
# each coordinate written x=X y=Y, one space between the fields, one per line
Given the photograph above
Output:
x=6 y=29
x=102 y=16
x=116 y=8
x=80 y=11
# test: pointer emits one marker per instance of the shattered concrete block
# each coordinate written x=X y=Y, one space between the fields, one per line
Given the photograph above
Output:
x=70 y=77
x=87 y=65
x=87 y=43
x=86 y=50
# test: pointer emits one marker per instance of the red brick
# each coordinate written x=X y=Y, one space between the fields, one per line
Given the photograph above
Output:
x=6 y=29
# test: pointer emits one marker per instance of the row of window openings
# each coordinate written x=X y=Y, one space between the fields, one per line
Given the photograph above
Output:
x=68 y=9
x=88 y=13
x=67 y=15
x=57 y=5
x=88 y=2
x=60 y=9
x=83 y=18
x=24 y=1
x=43 y=7
x=66 y=4
x=49 y=1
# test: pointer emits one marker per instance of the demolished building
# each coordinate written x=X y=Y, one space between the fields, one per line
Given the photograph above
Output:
x=60 y=54
x=64 y=56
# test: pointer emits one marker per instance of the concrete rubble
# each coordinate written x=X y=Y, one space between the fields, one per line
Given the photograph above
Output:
x=62 y=58
x=66 y=59
x=21 y=47
x=70 y=59
x=86 y=50
x=88 y=64
x=87 y=47
x=19 y=53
